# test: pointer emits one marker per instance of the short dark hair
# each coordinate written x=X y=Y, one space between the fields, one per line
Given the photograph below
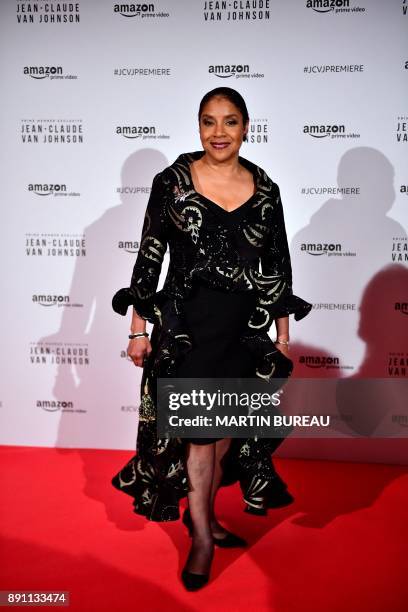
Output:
x=232 y=95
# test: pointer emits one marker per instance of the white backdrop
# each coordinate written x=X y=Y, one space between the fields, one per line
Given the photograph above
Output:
x=98 y=97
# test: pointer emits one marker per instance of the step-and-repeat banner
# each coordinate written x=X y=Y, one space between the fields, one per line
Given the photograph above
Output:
x=99 y=96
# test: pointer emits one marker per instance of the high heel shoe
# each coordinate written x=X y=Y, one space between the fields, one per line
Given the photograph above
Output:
x=229 y=541
x=192 y=581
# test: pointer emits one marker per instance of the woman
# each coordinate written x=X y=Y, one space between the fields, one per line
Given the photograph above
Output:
x=220 y=215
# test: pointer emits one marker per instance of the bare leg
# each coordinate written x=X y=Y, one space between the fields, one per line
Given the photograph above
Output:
x=221 y=447
x=200 y=468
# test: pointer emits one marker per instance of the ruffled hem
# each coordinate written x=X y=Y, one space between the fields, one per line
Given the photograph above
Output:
x=271 y=364
x=157 y=496
x=157 y=480
x=290 y=304
x=145 y=308
x=266 y=312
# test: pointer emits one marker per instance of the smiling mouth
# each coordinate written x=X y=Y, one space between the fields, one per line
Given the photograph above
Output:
x=220 y=145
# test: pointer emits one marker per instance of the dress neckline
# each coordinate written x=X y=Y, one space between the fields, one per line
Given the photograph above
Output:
x=245 y=163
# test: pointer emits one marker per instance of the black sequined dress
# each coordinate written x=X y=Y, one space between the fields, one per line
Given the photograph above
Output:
x=211 y=317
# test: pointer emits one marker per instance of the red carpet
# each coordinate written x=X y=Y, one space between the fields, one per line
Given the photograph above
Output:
x=342 y=546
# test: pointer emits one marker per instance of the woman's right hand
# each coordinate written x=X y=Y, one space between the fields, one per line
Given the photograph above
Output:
x=138 y=350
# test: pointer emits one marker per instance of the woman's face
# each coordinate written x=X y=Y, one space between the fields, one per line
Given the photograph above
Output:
x=221 y=129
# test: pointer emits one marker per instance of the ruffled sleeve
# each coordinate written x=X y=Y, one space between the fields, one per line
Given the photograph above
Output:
x=146 y=270
x=275 y=295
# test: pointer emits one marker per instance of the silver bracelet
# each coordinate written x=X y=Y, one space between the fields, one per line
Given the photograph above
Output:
x=286 y=342
x=138 y=335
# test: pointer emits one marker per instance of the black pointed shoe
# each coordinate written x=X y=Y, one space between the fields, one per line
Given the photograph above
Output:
x=229 y=541
x=192 y=581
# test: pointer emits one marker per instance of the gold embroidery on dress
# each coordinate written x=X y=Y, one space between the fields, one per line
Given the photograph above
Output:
x=147 y=410
x=126 y=483
x=158 y=314
x=252 y=495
